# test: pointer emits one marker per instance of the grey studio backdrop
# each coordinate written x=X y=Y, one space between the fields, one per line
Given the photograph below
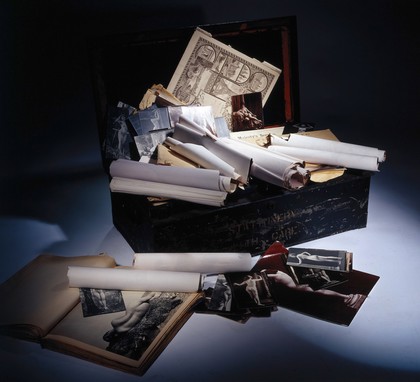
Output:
x=358 y=74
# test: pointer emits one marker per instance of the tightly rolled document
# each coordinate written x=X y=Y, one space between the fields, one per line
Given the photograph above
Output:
x=133 y=279
x=201 y=262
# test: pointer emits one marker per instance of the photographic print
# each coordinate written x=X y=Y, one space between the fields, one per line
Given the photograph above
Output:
x=334 y=260
x=250 y=290
x=149 y=127
x=317 y=278
x=128 y=333
x=247 y=112
x=338 y=304
x=221 y=298
x=100 y=301
x=118 y=141
x=133 y=332
x=151 y=119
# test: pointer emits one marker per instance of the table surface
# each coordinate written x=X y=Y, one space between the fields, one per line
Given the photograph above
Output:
x=382 y=341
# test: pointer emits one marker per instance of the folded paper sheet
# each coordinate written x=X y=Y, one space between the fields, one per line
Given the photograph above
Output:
x=201 y=262
x=133 y=279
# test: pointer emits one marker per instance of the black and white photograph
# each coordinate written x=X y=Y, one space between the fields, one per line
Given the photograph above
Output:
x=317 y=278
x=221 y=298
x=334 y=260
x=118 y=142
x=250 y=290
x=132 y=332
x=150 y=119
x=100 y=301
x=149 y=128
x=338 y=304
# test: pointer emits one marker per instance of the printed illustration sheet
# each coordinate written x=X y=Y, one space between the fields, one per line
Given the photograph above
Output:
x=210 y=73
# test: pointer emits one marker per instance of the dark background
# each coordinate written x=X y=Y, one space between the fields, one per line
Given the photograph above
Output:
x=358 y=75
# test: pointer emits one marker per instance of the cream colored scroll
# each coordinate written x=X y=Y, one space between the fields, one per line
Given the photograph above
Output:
x=133 y=279
x=280 y=169
x=201 y=262
x=190 y=177
x=171 y=191
x=203 y=157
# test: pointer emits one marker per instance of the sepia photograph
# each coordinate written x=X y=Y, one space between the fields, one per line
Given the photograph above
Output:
x=247 y=112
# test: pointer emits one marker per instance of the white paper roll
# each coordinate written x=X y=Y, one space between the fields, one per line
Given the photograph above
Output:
x=314 y=143
x=181 y=176
x=360 y=162
x=133 y=279
x=201 y=262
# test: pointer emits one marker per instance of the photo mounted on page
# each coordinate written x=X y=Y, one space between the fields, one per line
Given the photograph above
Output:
x=100 y=301
x=247 y=112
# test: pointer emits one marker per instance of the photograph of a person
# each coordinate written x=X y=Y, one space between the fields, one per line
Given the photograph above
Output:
x=118 y=140
x=247 y=112
x=100 y=301
x=250 y=290
x=221 y=298
x=335 y=260
x=149 y=128
x=317 y=278
x=338 y=304
x=132 y=332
